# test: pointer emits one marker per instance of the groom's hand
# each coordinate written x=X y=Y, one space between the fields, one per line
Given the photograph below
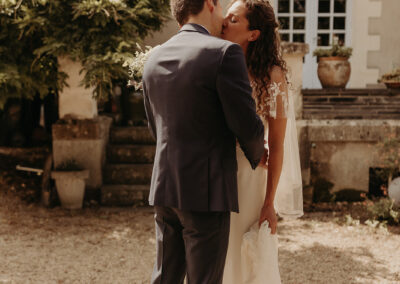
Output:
x=264 y=160
x=268 y=214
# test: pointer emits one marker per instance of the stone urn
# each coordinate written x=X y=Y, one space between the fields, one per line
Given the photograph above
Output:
x=70 y=187
x=334 y=72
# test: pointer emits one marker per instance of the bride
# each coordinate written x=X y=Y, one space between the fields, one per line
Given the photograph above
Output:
x=252 y=25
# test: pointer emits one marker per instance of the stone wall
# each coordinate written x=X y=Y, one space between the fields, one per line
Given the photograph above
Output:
x=342 y=151
x=387 y=27
x=74 y=100
x=363 y=42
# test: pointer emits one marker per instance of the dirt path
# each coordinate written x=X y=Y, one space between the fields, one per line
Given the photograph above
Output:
x=103 y=245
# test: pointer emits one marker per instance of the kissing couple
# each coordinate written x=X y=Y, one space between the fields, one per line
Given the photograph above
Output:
x=217 y=102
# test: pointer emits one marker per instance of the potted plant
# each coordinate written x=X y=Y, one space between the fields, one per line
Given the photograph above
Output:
x=333 y=65
x=70 y=184
x=391 y=79
x=135 y=105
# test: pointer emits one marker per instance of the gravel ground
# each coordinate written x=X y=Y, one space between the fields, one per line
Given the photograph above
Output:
x=116 y=245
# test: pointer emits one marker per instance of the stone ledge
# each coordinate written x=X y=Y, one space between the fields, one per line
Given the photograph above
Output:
x=347 y=130
x=71 y=129
x=350 y=92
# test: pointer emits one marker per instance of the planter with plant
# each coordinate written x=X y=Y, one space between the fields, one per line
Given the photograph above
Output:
x=333 y=66
x=70 y=184
x=391 y=79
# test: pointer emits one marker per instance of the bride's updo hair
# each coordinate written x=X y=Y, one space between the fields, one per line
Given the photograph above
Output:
x=265 y=52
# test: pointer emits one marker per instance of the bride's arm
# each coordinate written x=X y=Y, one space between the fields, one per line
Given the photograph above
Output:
x=277 y=105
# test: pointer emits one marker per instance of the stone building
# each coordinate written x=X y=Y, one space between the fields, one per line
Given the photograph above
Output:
x=368 y=26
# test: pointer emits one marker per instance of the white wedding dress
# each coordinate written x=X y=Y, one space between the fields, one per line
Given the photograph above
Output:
x=252 y=256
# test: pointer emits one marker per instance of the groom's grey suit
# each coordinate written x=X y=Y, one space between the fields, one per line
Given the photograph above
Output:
x=198 y=101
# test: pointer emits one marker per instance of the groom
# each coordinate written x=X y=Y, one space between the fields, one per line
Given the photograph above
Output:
x=198 y=101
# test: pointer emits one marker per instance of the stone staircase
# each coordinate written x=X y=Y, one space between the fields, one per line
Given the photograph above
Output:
x=127 y=174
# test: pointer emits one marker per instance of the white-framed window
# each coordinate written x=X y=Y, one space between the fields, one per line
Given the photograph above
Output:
x=315 y=22
x=292 y=18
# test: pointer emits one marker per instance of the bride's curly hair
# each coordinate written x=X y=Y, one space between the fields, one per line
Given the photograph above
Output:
x=265 y=52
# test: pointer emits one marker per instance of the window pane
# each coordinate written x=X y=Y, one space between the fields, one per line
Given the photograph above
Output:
x=339 y=23
x=283 y=6
x=323 y=39
x=340 y=6
x=284 y=23
x=299 y=23
x=299 y=6
x=324 y=6
x=340 y=38
x=323 y=23
x=285 y=37
x=298 y=37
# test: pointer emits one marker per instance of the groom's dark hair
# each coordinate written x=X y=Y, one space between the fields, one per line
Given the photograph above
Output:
x=182 y=9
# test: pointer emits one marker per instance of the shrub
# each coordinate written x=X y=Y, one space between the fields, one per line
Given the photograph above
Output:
x=383 y=210
x=100 y=34
x=388 y=152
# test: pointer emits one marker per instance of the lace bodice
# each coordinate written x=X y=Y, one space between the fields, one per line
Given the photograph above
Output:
x=275 y=101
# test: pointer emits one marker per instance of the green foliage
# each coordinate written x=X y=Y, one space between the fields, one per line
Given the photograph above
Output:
x=22 y=75
x=335 y=50
x=383 y=210
x=388 y=152
x=100 y=33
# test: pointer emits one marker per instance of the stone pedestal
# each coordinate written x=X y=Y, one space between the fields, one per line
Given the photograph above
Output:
x=85 y=142
x=75 y=100
x=293 y=54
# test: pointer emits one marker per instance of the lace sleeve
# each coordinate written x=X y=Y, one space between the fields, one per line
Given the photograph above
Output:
x=277 y=103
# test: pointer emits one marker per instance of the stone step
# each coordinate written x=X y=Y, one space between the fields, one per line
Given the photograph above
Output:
x=131 y=135
x=127 y=173
x=124 y=195
x=131 y=154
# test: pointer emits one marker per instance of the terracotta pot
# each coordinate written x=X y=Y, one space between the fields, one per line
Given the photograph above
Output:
x=333 y=72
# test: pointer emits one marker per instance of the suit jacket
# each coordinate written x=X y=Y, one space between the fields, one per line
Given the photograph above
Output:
x=198 y=101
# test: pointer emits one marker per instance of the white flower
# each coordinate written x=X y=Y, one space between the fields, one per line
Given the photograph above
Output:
x=136 y=65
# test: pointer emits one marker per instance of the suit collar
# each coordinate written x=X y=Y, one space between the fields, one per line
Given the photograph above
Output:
x=191 y=27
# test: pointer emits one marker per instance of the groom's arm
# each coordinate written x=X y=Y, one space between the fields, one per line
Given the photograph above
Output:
x=238 y=105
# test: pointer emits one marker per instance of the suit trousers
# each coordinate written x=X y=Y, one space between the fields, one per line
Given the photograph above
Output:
x=192 y=244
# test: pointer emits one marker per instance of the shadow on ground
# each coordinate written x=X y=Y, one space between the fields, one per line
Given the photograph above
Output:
x=318 y=262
